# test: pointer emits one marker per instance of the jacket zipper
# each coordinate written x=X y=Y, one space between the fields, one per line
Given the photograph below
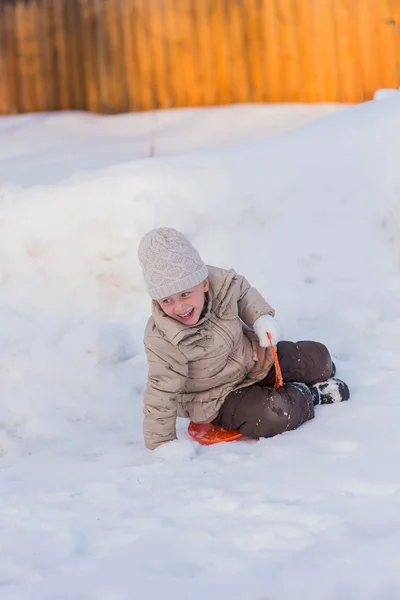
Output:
x=229 y=339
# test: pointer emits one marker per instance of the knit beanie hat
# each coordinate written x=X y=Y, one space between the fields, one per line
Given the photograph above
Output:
x=169 y=262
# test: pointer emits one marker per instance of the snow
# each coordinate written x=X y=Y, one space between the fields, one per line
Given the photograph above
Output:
x=311 y=215
x=60 y=145
x=384 y=93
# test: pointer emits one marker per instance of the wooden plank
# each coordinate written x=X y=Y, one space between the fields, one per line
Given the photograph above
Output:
x=72 y=20
x=88 y=25
x=159 y=55
x=254 y=52
x=221 y=51
x=392 y=24
x=101 y=56
x=35 y=73
x=22 y=58
x=107 y=56
x=185 y=53
x=28 y=56
x=141 y=25
x=373 y=49
x=114 y=84
x=395 y=25
x=205 y=64
x=345 y=51
x=194 y=77
x=129 y=54
x=307 y=63
x=271 y=50
x=356 y=15
x=4 y=95
x=11 y=61
x=325 y=49
x=177 y=88
x=343 y=57
x=365 y=48
x=383 y=59
x=116 y=66
x=355 y=41
x=385 y=30
x=288 y=58
x=60 y=56
x=236 y=14
x=48 y=74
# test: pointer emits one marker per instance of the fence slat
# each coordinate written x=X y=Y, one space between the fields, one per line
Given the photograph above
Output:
x=128 y=51
x=288 y=49
x=237 y=53
x=10 y=49
x=327 y=66
x=118 y=100
x=172 y=38
x=385 y=31
x=220 y=51
x=307 y=64
x=346 y=51
x=271 y=50
x=48 y=73
x=74 y=34
x=4 y=96
x=187 y=51
x=380 y=34
x=394 y=25
x=141 y=27
x=22 y=58
x=254 y=51
x=365 y=50
x=35 y=78
x=60 y=52
x=205 y=63
x=102 y=57
x=159 y=55
x=88 y=24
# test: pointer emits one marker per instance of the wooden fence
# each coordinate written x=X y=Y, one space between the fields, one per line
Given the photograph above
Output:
x=122 y=55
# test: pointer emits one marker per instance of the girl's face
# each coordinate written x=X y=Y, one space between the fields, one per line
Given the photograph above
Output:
x=186 y=307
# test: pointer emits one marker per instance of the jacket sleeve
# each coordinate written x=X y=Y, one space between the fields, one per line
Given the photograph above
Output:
x=251 y=304
x=168 y=371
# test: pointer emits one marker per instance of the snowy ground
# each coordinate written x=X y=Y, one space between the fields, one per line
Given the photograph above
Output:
x=312 y=217
x=48 y=148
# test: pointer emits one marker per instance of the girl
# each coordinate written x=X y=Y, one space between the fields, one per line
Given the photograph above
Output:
x=209 y=355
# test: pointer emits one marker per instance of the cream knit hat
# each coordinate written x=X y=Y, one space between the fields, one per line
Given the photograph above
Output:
x=169 y=262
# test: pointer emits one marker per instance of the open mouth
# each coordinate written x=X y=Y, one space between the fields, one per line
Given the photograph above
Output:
x=187 y=315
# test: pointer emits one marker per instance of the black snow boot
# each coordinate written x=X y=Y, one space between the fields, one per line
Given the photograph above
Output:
x=330 y=391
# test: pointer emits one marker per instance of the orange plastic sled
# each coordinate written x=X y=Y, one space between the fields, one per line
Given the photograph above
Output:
x=207 y=434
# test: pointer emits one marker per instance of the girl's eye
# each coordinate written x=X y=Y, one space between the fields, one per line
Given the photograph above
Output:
x=185 y=294
x=167 y=301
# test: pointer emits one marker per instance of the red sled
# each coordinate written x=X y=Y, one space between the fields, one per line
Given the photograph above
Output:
x=207 y=434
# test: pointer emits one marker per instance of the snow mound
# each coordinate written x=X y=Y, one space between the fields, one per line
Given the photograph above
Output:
x=385 y=93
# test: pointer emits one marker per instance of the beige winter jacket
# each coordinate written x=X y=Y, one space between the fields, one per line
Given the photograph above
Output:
x=193 y=368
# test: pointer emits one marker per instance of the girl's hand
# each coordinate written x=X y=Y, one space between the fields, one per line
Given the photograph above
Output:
x=265 y=324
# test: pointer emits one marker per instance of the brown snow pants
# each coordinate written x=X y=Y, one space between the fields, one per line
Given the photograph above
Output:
x=262 y=411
